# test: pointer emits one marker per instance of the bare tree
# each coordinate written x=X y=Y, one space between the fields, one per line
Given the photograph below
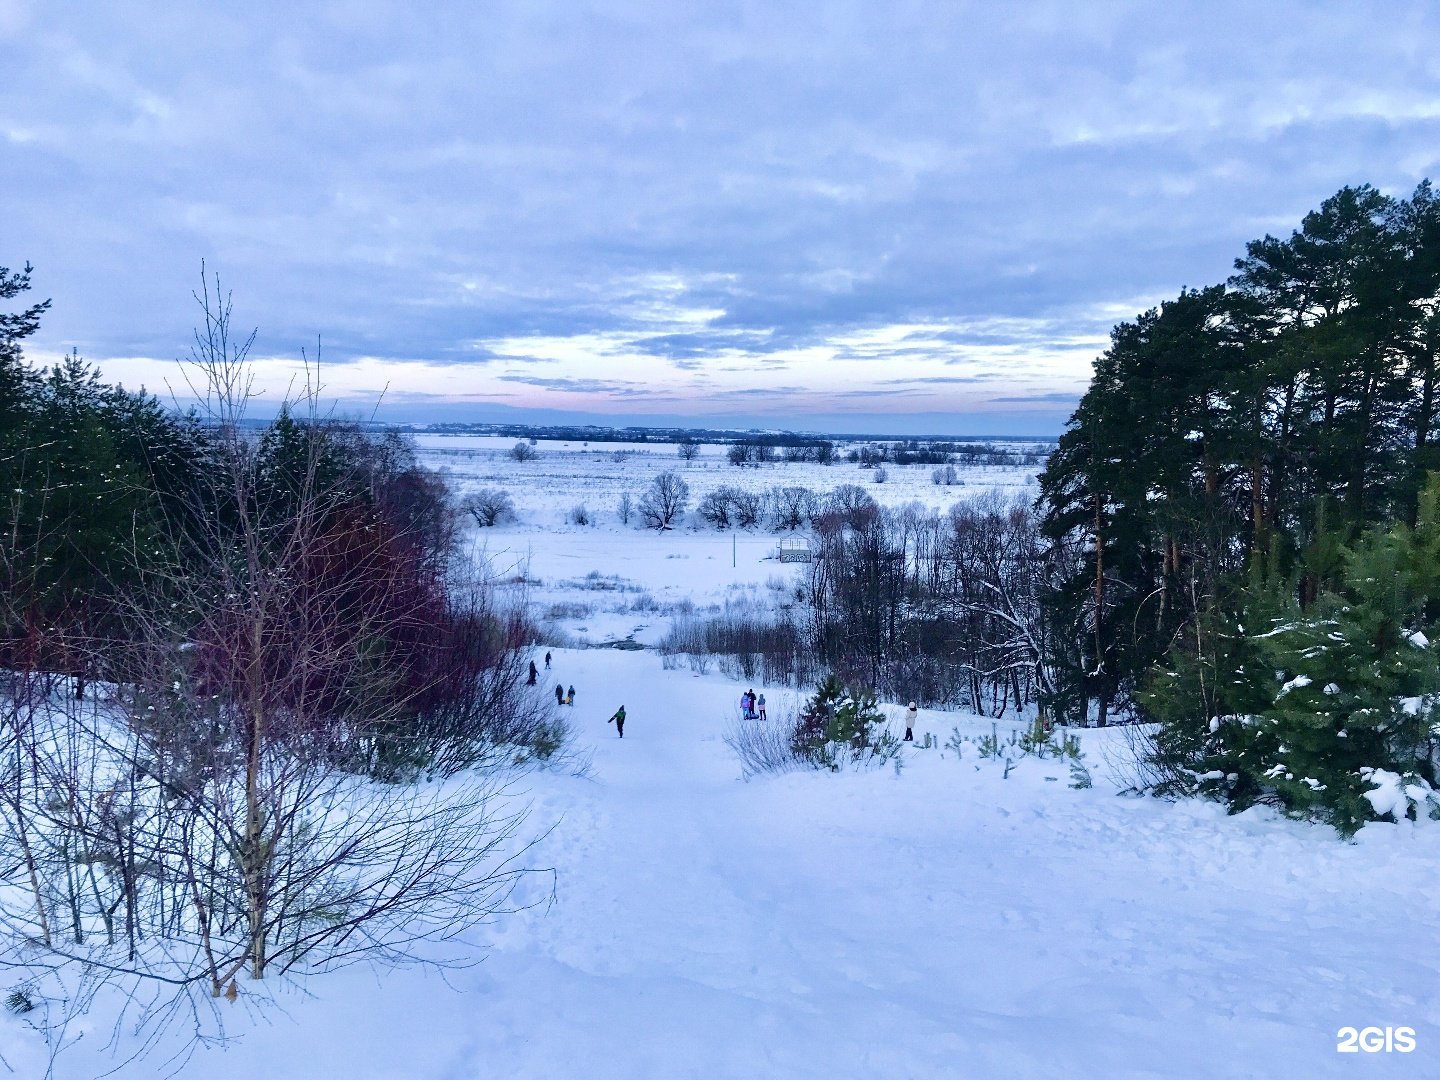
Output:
x=624 y=508
x=688 y=448
x=664 y=501
x=853 y=505
x=524 y=451
x=489 y=507
x=749 y=508
x=793 y=506
x=717 y=507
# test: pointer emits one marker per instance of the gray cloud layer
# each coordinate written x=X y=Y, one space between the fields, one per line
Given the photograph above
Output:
x=454 y=182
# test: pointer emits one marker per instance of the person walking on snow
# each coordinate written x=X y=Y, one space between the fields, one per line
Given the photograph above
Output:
x=559 y=694
x=619 y=721
x=760 y=704
x=910 y=714
x=534 y=673
x=570 y=695
x=547 y=661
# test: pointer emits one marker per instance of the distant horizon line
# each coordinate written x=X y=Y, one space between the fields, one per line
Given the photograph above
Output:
x=555 y=432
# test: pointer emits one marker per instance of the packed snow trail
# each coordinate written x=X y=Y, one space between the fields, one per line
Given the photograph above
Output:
x=944 y=922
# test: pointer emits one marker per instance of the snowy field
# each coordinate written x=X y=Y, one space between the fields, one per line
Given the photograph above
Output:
x=693 y=563
x=941 y=920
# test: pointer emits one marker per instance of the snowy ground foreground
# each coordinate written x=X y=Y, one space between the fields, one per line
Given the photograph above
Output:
x=944 y=922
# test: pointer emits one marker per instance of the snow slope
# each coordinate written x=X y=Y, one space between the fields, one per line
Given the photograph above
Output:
x=944 y=922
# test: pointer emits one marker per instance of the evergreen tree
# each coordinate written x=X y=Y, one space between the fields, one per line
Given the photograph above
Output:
x=1304 y=707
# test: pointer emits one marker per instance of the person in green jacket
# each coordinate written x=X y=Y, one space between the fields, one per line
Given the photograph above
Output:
x=619 y=721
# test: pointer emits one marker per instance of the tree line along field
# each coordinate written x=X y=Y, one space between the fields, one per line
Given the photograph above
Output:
x=563 y=475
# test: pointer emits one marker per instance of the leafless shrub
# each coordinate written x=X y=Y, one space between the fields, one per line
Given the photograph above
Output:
x=746 y=643
x=569 y=610
x=765 y=746
x=595 y=581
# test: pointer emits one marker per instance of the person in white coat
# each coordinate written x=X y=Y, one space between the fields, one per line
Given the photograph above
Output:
x=910 y=714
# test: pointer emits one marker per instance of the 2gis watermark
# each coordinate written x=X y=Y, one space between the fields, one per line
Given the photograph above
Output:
x=1375 y=1040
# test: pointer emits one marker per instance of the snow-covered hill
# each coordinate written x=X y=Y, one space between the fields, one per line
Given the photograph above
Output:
x=942 y=922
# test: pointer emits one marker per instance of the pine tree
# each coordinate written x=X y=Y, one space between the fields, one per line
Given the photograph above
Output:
x=1306 y=707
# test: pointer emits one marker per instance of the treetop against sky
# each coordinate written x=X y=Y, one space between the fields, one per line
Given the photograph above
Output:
x=722 y=211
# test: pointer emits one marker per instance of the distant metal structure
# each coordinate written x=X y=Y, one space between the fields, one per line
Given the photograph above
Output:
x=796 y=549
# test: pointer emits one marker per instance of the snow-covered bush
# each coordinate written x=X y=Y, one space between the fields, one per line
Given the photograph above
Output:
x=1400 y=797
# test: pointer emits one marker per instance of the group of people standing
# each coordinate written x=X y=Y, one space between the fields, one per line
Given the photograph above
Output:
x=752 y=707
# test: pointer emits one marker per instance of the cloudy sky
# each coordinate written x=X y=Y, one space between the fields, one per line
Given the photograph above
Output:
x=842 y=216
